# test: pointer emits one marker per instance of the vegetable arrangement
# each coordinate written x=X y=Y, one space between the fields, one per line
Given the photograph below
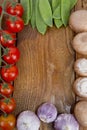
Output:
x=78 y=23
x=10 y=54
x=47 y=113
x=44 y=13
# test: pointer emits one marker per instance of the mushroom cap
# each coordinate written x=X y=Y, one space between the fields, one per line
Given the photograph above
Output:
x=79 y=43
x=81 y=113
x=80 y=87
x=80 y=66
x=78 y=21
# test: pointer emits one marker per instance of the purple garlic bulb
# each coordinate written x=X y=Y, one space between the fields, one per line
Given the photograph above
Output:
x=66 y=122
x=47 y=112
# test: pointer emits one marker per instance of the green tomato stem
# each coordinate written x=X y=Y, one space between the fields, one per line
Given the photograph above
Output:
x=2 y=47
x=2 y=79
x=2 y=14
x=3 y=96
x=4 y=62
x=5 y=114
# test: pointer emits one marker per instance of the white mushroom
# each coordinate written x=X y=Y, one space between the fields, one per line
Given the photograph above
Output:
x=79 y=43
x=81 y=113
x=78 y=21
x=80 y=66
x=80 y=87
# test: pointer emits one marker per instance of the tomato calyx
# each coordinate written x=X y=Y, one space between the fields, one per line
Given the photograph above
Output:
x=5 y=115
x=13 y=4
x=13 y=18
x=6 y=51
x=7 y=37
x=7 y=66
x=6 y=100
x=5 y=85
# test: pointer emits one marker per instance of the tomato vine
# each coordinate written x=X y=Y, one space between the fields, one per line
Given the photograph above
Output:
x=10 y=54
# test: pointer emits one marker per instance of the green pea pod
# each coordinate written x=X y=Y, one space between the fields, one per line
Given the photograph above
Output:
x=58 y=23
x=65 y=11
x=73 y=2
x=27 y=13
x=57 y=13
x=46 y=12
x=31 y=7
x=33 y=13
x=50 y=1
x=55 y=4
x=41 y=26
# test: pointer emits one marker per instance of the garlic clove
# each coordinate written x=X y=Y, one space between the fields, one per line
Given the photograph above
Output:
x=47 y=112
x=80 y=87
x=80 y=67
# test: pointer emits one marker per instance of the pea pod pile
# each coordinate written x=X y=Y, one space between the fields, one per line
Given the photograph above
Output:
x=44 y=13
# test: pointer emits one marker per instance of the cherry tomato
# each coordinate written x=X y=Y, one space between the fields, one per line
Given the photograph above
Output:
x=12 y=56
x=0 y=10
x=6 y=89
x=10 y=73
x=7 y=122
x=7 y=38
x=7 y=105
x=15 y=24
x=15 y=9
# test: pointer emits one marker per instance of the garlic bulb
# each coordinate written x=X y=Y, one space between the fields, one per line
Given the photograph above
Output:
x=47 y=112
x=27 y=120
x=66 y=122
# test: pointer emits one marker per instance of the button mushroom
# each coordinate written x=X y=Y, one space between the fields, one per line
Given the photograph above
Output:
x=81 y=113
x=79 y=43
x=78 y=21
x=80 y=87
x=80 y=67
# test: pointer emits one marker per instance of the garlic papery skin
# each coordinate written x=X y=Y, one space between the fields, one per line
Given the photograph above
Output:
x=66 y=122
x=80 y=67
x=80 y=87
x=27 y=120
x=47 y=112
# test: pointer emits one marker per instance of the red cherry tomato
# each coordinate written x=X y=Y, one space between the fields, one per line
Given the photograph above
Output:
x=7 y=105
x=7 y=38
x=0 y=10
x=7 y=122
x=10 y=73
x=15 y=9
x=15 y=24
x=6 y=89
x=12 y=56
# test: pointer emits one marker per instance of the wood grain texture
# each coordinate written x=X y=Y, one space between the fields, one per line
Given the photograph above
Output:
x=46 y=69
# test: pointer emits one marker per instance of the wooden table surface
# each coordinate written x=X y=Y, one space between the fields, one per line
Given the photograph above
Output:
x=46 y=69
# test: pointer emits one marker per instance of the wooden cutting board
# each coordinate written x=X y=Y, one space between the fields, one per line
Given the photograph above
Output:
x=46 y=69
